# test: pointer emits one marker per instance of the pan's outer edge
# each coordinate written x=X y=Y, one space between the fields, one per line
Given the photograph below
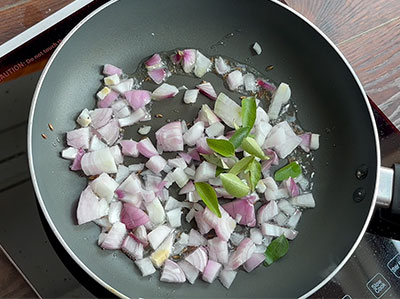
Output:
x=76 y=258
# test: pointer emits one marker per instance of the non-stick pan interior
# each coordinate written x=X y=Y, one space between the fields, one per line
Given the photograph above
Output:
x=329 y=101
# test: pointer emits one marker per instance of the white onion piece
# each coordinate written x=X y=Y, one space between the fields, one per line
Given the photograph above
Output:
x=191 y=272
x=189 y=60
x=270 y=183
x=286 y=207
x=145 y=266
x=294 y=219
x=281 y=219
x=172 y=203
x=101 y=95
x=180 y=177
x=153 y=62
x=181 y=243
x=216 y=129
x=279 y=98
x=131 y=185
x=190 y=197
x=272 y=230
x=132 y=216
x=302 y=181
x=228 y=110
x=221 y=192
x=96 y=144
x=226 y=277
x=163 y=252
x=236 y=238
x=208 y=90
x=104 y=186
x=172 y=273
x=234 y=80
x=275 y=137
x=117 y=155
x=262 y=130
x=267 y=212
x=242 y=253
x=190 y=172
x=115 y=236
x=156 y=211
x=111 y=80
x=211 y=271
x=260 y=187
x=250 y=83
x=122 y=174
x=256 y=236
x=303 y=201
x=110 y=132
x=202 y=65
x=221 y=66
x=196 y=239
x=314 y=142
x=164 y=91
x=148 y=195
x=104 y=224
x=123 y=86
x=110 y=69
x=108 y=99
x=133 y=249
x=190 y=215
x=207 y=115
x=190 y=96
x=141 y=235
x=257 y=48
x=134 y=117
x=98 y=161
x=158 y=235
x=174 y=217
x=120 y=109
x=129 y=148
x=254 y=261
x=169 y=137
x=157 y=75
x=218 y=250
x=69 y=153
x=138 y=98
x=84 y=118
x=177 y=163
x=242 y=208
x=198 y=259
x=204 y=172
x=90 y=207
x=144 y=130
x=202 y=225
x=79 y=138
x=194 y=133
x=223 y=226
x=156 y=164
x=146 y=148
x=185 y=156
x=189 y=187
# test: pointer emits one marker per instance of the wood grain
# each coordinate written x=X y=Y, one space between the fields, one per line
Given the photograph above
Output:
x=11 y=282
x=18 y=15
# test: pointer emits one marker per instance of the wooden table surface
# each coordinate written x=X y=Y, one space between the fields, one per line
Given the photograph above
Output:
x=366 y=31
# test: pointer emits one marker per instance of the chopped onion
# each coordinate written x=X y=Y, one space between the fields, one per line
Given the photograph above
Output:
x=174 y=217
x=99 y=161
x=133 y=249
x=189 y=187
x=198 y=259
x=243 y=208
x=191 y=272
x=111 y=80
x=194 y=133
x=164 y=91
x=156 y=164
x=77 y=163
x=180 y=177
x=156 y=211
x=196 y=239
x=162 y=253
x=104 y=186
x=204 y=172
x=96 y=144
x=254 y=261
x=90 y=207
x=266 y=85
x=226 y=277
x=236 y=238
x=303 y=201
x=282 y=139
x=258 y=50
x=181 y=243
x=132 y=118
x=207 y=115
x=172 y=273
x=242 y=253
x=256 y=236
x=102 y=94
x=146 y=148
x=221 y=66
x=185 y=156
x=129 y=148
x=108 y=99
x=202 y=225
x=145 y=266
x=189 y=60
x=79 y=138
x=272 y=230
x=286 y=207
x=84 y=118
x=267 y=212
x=228 y=110
x=202 y=147
x=138 y=98
x=158 y=235
x=141 y=235
x=211 y=271
x=169 y=137
x=218 y=250
x=216 y=129
x=110 y=69
x=123 y=86
x=177 y=57
x=250 y=83
x=202 y=65
x=157 y=75
x=69 y=153
x=110 y=132
x=292 y=187
x=104 y=224
x=279 y=98
x=208 y=90
x=120 y=109
x=294 y=219
x=190 y=96
x=172 y=203
x=144 y=130
x=177 y=163
x=115 y=236
x=314 y=142
x=305 y=142
x=132 y=216
x=234 y=80
x=153 y=62
x=195 y=154
x=223 y=226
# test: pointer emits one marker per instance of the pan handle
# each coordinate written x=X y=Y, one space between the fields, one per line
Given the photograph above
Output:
x=389 y=189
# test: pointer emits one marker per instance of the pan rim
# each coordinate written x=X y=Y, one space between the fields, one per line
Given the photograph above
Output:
x=77 y=259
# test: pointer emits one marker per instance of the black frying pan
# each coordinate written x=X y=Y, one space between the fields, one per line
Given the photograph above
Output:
x=330 y=101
